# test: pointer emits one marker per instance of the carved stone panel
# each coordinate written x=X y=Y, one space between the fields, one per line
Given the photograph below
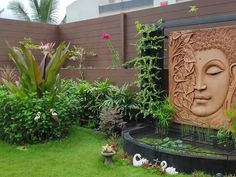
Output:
x=202 y=75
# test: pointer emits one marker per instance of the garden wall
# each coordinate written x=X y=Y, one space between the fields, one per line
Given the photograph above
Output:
x=123 y=33
x=14 y=31
x=121 y=27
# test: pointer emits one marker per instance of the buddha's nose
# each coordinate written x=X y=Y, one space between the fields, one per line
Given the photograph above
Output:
x=200 y=85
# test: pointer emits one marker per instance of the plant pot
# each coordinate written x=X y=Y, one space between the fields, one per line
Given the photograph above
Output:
x=108 y=157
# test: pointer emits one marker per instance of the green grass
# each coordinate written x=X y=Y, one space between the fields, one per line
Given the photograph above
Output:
x=75 y=156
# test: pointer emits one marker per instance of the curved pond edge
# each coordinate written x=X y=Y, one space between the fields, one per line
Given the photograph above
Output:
x=183 y=162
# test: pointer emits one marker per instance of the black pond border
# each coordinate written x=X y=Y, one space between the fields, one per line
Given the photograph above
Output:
x=186 y=163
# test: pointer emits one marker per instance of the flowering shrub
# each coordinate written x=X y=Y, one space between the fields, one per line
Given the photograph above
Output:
x=31 y=119
x=114 y=52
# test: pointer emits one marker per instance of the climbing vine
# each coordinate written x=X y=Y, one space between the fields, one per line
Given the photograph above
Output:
x=151 y=102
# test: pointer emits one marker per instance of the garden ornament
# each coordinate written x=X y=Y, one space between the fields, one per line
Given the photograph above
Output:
x=37 y=117
x=54 y=114
x=138 y=161
x=169 y=170
x=201 y=62
x=108 y=152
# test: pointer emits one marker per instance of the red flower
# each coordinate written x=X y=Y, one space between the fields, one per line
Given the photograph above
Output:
x=106 y=36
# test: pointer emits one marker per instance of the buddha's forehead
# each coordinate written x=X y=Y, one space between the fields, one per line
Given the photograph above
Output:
x=211 y=55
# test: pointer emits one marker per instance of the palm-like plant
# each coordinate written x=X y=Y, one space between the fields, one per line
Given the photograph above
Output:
x=35 y=78
x=1 y=11
x=45 y=11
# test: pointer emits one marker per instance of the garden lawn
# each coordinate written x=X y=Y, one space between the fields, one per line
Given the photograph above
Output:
x=78 y=155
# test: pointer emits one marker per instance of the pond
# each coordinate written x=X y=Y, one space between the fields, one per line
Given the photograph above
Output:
x=186 y=153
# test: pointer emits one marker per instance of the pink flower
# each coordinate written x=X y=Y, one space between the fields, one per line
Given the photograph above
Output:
x=47 y=48
x=106 y=36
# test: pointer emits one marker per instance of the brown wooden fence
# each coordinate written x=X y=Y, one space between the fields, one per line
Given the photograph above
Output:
x=121 y=27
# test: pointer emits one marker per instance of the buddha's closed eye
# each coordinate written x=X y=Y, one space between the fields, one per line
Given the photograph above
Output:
x=214 y=70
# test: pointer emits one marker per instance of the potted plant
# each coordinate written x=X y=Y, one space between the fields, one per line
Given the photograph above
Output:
x=107 y=153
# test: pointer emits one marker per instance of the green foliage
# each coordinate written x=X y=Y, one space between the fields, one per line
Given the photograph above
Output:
x=150 y=101
x=115 y=54
x=231 y=115
x=35 y=78
x=78 y=54
x=102 y=95
x=222 y=135
x=45 y=11
x=19 y=123
x=122 y=100
x=164 y=112
x=90 y=98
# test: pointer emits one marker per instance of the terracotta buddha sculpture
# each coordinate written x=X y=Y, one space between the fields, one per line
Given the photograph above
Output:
x=202 y=67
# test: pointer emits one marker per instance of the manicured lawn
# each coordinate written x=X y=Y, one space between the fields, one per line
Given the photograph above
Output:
x=75 y=156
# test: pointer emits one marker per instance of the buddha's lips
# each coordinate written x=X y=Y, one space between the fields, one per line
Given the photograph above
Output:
x=202 y=97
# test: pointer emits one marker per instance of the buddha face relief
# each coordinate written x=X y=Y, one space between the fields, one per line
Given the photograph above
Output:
x=202 y=72
x=212 y=82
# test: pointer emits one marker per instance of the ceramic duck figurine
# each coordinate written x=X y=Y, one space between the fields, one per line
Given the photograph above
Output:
x=169 y=170
x=140 y=162
x=54 y=114
x=37 y=117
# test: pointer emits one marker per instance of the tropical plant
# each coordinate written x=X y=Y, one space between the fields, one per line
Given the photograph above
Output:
x=8 y=74
x=45 y=11
x=123 y=100
x=164 y=113
x=1 y=10
x=34 y=77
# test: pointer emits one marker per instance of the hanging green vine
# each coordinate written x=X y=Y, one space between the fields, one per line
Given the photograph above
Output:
x=150 y=97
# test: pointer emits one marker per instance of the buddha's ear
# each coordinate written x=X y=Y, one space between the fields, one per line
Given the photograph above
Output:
x=233 y=75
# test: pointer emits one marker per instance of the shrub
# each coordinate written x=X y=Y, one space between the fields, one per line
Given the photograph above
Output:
x=111 y=121
x=123 y=100
x=103 y=95
x=19 y=123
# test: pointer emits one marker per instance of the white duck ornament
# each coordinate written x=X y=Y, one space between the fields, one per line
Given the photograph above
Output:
x=54 y=114
x=138 y=161
x=169 y=170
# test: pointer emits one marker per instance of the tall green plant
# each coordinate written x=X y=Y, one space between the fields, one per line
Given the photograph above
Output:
x=34 y=77
x=150 y=97
x=45 y=11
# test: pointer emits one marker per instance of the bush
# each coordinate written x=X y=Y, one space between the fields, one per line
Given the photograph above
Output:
x=98 y=95
x=18 y=122
x=111 y=122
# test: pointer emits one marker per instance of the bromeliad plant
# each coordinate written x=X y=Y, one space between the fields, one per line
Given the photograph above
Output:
x=34 y=77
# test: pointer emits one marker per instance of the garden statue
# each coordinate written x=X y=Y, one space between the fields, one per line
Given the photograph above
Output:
x=138 y=161
x=108 y=152
x=202 y=72
x=169 y=170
